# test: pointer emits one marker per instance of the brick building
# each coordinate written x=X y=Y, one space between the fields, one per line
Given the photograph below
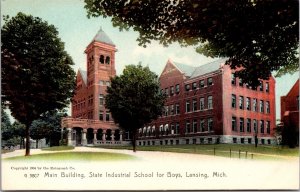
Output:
x=207 y=104
x=290 y=109
x=91 y=123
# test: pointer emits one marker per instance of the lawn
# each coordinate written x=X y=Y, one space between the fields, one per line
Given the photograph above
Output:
x=237 y=151
x=58 y=148
x=73 y=156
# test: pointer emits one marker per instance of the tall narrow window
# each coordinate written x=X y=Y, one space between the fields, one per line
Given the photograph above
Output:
x=248 y=104
x=249 y=125
x=101 y=59
x=107 y=60
x=233 y=123
x=241 y=124
x=201 y=84
x=267 y=87
x=107 y=116
x=202 y=103
x=241 y=102
x=101 y=99
x=209 y=81
x=172 y=90
x=254 y=104
x=262 y=126
x=187 y=106
x=233 y=101
x=233 y=79
x=261 y=86
x=177 y=109
x=268 y=127
x=267 y=107
x=255 y=125
x=210 y=124
x=101 y=115
x=202 y=125
x=194 y=86
x=177 y=88
x=240 y=82
x=177 y=128
x=194 y=104
x=167 y=91
x=261 y=106
x=187 y=126
x=195 y=126
x=210 y=102
x=187 y=87
x=172 y=109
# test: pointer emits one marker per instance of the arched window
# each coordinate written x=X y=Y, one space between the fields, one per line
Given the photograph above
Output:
x=101 y=59
x=107 y=60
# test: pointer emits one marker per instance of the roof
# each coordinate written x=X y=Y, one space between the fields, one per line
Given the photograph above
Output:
x=207 y=68
x=192 y=72
x=102 y=38
x=83 y=75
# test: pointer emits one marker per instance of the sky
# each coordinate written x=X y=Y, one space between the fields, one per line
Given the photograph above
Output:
x=77 y=31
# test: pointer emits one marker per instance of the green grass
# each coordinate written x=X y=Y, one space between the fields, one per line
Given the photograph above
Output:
x=261 y=152
x=58 y=148
x=73 y=156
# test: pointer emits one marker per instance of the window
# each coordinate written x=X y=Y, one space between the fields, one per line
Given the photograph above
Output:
x=233 y=101
x=167 y=91
x=261 y=106
x=101 y=82
x=166 y=110
x=194 y=104
x=240 y=82
x=233 y=124
x=210 y=124
x=254 y=104
x=177 y=128
x=267 y=87
x=101 y=59
x=172 y=90
x=187 y=126
x=233 y=79
x=209 y=102
x=107 y=116
x=187 y=87
x=262 y=141
x=261 y=86
x=241 y=124
x=248 y=125
x=202 y=103
x=248 y=104
x=177 y=109
x=101 y=115
x=107 y=60
x=177 y=88
x=171 y=109
x=262 y=126
x=268 y=127
x=234 y=139
x=249 y=140
x=202 y=125
x=201 y=83
x=209 y=81
x=194 y=86
x=242 y=140
x=187 y=106
x=267 y=107
x=107 y=83
x=101 y=100
x=255 y=125
x=195 y=126
x=241 y=102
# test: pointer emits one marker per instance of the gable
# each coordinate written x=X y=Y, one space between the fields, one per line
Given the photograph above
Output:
x=169 y=68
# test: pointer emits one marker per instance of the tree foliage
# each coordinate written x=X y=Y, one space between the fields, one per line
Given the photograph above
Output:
x=257 y=36
x=134 y=99
x=36 y=70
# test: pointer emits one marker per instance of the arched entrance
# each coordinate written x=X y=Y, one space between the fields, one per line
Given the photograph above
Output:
x=117 y=135
x=99 y=134
x=90 y=135
x=108 y=134
x=77 y=135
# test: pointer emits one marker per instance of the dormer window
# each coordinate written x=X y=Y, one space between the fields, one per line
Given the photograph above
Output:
x=107 y=60
x=101 y=59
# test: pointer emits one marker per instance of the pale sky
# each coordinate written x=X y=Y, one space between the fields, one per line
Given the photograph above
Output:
x=77 y=31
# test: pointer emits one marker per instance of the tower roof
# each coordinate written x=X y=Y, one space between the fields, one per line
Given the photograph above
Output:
x=103 y=38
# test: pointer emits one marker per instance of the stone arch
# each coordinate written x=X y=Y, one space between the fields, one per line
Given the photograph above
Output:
x=108 y=135
x=99 y=134
x=77 y=135
x=117 y=135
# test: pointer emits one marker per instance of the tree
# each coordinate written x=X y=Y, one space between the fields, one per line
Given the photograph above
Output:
x=36 y=70
x=39 y=130
x=6 y=131
x=134 y=99
x=257 y=36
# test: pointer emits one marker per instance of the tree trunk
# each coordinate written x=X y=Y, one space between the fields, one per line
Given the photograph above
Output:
x=37 y=144
x=27 y=132
x=256 y=140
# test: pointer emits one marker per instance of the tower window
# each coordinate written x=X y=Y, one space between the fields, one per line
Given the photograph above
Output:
x=107 y=60
x=101 y=59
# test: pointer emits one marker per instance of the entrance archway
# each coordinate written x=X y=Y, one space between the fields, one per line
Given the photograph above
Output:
x=90 y=135
x=99 y=134
x=108 y=134
x=78 y=135
x=117 y=135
